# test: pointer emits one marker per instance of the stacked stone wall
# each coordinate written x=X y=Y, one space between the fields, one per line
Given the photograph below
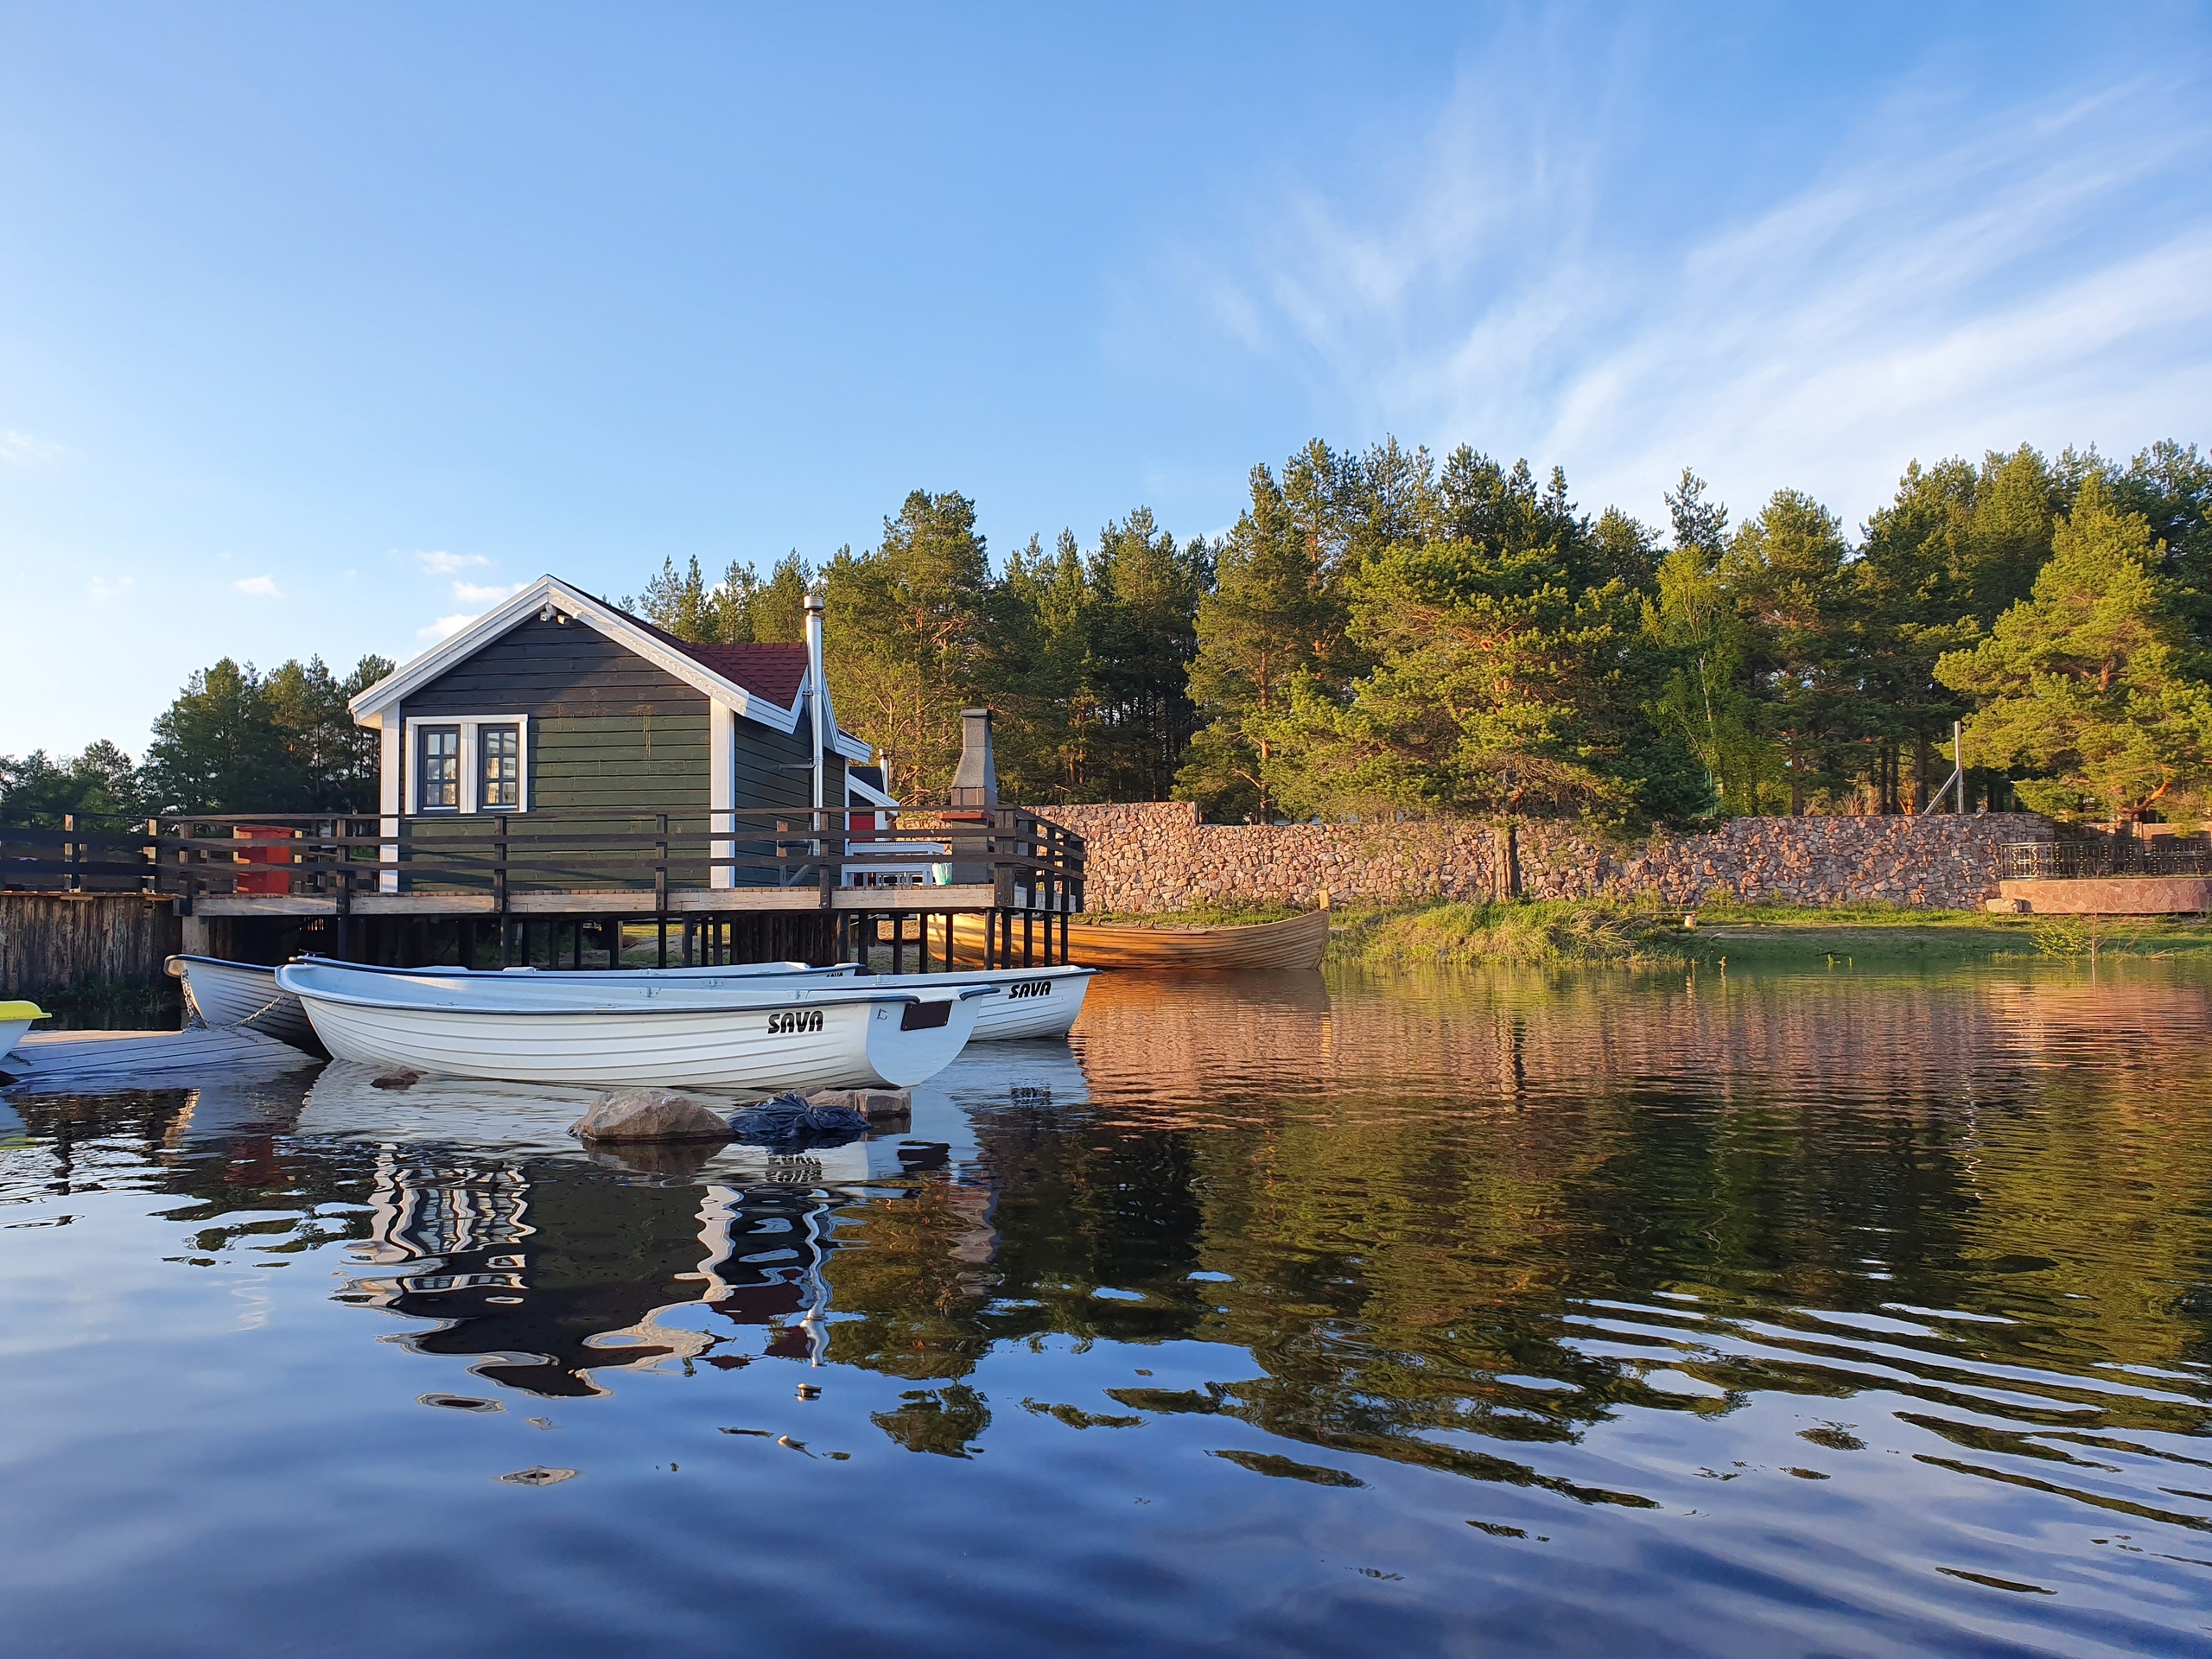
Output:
x=1155 y=856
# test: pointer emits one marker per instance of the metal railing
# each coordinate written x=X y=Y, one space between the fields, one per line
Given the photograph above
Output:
x=2037 y=861
x=1028 y=863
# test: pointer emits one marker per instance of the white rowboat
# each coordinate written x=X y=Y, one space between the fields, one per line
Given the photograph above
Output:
x=223 y=994
x=1034 y=1001
x=759 y=1040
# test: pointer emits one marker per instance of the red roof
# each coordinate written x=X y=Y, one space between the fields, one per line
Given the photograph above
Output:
x=773 y=672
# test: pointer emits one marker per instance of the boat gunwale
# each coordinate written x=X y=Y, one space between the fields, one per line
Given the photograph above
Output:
x=571 y=1010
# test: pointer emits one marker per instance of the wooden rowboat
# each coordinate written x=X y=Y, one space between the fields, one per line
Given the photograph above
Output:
x=1296 y=942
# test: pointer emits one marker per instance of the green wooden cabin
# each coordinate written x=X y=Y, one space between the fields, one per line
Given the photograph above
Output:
x=558 y=706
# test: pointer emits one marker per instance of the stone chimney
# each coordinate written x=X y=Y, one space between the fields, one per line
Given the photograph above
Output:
x=976 y=781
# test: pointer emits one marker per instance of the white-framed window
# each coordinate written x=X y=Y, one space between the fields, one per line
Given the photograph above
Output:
x=499 y=767
x=437 y=769
x=469 y=763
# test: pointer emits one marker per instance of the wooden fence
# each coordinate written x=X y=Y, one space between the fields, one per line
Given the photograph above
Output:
x=54 y=942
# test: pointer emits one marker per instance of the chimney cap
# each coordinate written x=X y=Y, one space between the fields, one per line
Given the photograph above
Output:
x=814 y=596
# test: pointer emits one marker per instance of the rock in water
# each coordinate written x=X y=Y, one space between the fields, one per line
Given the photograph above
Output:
x=873 y=1104
x=649 y=1114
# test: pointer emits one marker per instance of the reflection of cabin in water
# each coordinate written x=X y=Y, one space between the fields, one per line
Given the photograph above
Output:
x=540 y=1283
x=559 y=768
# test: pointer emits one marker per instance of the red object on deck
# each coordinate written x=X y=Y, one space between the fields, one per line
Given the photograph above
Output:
x=277 y=882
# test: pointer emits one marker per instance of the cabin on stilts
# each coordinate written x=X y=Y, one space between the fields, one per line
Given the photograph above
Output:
x=563 y=784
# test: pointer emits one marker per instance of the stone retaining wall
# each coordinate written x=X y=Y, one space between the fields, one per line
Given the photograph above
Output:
x=1155 y=856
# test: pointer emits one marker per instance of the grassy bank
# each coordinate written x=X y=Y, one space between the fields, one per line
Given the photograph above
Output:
x=1540 y=932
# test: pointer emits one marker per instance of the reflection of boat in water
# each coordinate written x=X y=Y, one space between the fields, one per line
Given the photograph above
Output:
x=543 y=1274
x=1296 y=942
x=534 y=1030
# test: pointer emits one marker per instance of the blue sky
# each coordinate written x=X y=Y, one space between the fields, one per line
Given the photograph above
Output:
x=322 y=326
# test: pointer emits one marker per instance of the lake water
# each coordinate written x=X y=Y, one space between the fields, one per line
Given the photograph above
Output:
x=1825 y=1313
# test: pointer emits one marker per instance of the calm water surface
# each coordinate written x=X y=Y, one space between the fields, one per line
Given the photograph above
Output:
x=1476 y=1315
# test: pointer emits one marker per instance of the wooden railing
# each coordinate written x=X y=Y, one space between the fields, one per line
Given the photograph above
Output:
x=2104 y=856
x=1028 y=863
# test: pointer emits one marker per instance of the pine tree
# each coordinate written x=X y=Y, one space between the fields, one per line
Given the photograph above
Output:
x=2092 y=681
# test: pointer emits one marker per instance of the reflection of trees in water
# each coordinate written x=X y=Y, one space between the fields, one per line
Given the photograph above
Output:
x=1396 y=1211
x=1414 y=1205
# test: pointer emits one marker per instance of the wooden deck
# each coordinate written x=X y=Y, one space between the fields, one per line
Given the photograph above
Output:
x=728 y=884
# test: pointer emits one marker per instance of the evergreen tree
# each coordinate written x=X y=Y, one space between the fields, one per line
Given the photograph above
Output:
x=909 y=623
x=218 y=748
x=1143 y=638
x=2093 y=682
x=1504 y=681
x=1266 y=632
x=1782 y=569
x=100 y=783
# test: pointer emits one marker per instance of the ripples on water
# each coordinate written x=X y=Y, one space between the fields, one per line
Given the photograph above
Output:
x=1826 y=1314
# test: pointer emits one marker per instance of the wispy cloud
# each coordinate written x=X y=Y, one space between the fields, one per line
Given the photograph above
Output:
x=22 y=449
x=259 y=587
x=451 y=564
x=473 y=593
x=1937 y=287
x=102 y=589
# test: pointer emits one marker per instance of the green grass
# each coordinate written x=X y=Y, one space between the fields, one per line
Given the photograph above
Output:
x=1524 y=933
x=1546 y=932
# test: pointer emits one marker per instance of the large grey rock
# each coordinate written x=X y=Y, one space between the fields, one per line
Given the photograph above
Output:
x=873 y=1104
x=649 y=1114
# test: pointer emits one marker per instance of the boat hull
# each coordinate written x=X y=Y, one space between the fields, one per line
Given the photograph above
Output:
x=242 y=993
x=1031 y=1002
x=11 y=1032
x=1296 y=942
x=800 y=1042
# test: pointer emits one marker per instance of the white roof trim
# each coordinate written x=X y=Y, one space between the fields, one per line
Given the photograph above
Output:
x=451 y=652
x=868 y=792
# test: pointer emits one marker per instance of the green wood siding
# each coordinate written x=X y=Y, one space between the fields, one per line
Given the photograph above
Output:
x=610 y=733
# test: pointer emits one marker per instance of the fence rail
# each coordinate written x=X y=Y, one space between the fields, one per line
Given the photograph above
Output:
x=1029 y=862
x=2035 y=861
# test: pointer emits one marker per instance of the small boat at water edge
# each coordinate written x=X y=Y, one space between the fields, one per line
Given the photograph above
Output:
x=1295 y=941
x=224 y=993
x=221 y=993
x=1036 y=1002
x=16 y=1018
x=761 y=1039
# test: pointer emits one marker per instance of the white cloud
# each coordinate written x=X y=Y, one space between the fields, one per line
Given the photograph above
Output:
x=259 y=587
x=102 y=589
x=445 y=626
x=449 y=565
x=2042 y=275
x=22 y=449
x=471 y=593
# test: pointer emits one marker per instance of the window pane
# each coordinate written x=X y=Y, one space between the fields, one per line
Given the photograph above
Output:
x=500 y=782
x=439 y=769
